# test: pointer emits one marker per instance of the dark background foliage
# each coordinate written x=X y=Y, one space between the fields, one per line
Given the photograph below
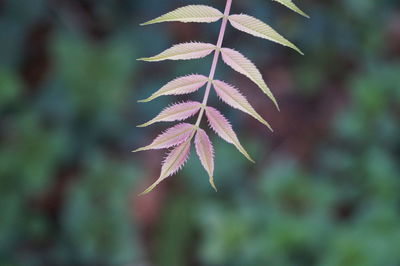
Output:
x=325 y=186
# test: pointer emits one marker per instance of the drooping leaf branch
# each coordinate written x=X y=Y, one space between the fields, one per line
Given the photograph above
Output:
x=179 y=137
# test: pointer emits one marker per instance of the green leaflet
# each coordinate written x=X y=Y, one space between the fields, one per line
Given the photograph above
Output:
x=191 y=13
x=183 y=51
x=292 y=6
x=258 y=28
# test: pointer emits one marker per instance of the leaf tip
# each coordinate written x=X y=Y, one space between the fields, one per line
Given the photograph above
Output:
x=248 y=156
x=275 y=103
x=142 y=125
x=211 y=180
x=303 y=14
x=145 y=23
x=144 y=100
x=149 y=189
x=212 y=183
x=143 y=193
x=294 y=47
x=268 y=126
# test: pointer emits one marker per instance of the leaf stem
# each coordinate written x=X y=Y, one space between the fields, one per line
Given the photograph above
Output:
x=215 y=60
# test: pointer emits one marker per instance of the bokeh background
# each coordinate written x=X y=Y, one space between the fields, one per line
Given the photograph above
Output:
x=325 y=189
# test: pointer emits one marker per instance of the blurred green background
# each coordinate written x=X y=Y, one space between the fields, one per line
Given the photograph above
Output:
x=325 y=189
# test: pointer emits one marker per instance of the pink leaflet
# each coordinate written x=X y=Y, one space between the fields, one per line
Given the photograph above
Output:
x=171 y=137
x=231 y=96
x=205 y=152
x=179 y=86
x=220 y=125
x=176 y=159
x=183 y=51
x=172 y=163
x=176 y=112
x=234 y=98
x=224 y=129
x=237 y=61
